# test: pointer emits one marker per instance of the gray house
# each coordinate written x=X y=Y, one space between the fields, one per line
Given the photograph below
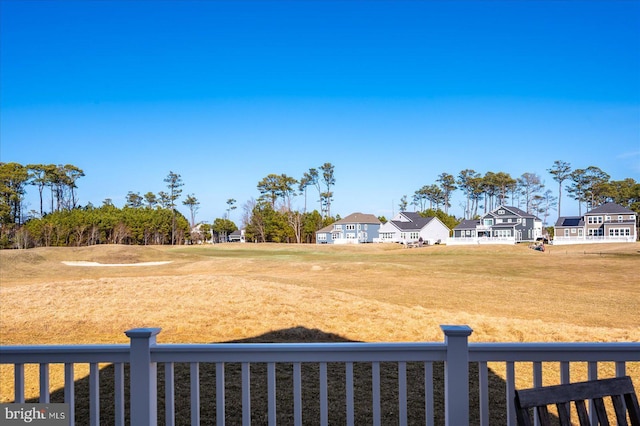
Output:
x=353 y=229
x=607 y=223
x=504 y=225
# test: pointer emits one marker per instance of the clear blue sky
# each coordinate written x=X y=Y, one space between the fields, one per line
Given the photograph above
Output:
x=391 y=93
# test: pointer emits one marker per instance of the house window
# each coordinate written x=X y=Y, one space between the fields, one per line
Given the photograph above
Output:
x=620 y=218
x=519 y=220
x=414 y=235
x=366 y=227
x=350 y=227
x=488 y=222
x=322 y=237
x=500 y=211
x=566 y=232
x=607 y=218
x=351 y=236
x=619 y=232
x=573 y=231
x=337 y=227
x=468 y=232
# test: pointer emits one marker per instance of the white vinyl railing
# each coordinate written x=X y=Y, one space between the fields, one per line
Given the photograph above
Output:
x=144 y=354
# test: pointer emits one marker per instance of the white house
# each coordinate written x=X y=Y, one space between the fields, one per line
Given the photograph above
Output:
x=410 y=227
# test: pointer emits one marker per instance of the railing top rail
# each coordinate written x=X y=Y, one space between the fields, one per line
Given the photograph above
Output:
x=300 y=352
x=557 y=351
x=25 y=354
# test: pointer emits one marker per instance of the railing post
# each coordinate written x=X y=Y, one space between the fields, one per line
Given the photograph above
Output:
x=456 y=374
x=143 y=377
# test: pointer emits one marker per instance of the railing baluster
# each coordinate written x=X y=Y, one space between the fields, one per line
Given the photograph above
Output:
x=592 y=374
x=483 y=385
x=194 y=369
x=324 y=395
x=511 y=393
x=428 y=394
x=246 y=394
x=621 y=369
x=94 y=394
x=69 y=391
x=18 y=381
x=271 y=393
x=297 y=394
x=44 y=383
x=375 y=384
x=118 y=394
x=350 y=395
x=565 y=373
x=220 y=394
x=169 y=394
x=402 y=392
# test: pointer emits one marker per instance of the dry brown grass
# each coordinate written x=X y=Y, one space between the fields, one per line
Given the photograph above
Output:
x=362 y=293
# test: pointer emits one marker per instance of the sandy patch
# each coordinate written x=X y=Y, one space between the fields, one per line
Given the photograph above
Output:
x=84 y=263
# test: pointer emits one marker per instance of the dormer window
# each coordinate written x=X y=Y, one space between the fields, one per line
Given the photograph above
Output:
x=500 y=211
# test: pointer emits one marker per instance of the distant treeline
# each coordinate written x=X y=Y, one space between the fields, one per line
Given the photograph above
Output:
x=104 y=225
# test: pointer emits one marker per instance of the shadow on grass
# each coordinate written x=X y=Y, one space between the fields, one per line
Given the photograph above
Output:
x=284 y=387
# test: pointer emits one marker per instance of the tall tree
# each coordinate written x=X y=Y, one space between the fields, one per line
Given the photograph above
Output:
x=40 y=178
x=134 y=200
x=72 y=174
x=448 y=185
x=505 y=183
x=560 y=171
x=587 y=185
x=403 y=203
x=466 y=183
x=194 y=205
x=329 y=180
x=530 y=185
x=231 y=205
x=151 y=199
x=275 y=186
x=13 y=179
x=174 y=183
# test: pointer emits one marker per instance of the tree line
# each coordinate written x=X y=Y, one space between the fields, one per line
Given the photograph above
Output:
x=153 y=218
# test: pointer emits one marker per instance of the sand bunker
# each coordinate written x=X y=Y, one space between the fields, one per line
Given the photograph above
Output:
x=84 y=263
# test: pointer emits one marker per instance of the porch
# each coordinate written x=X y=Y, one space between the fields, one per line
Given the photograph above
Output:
x=446 y=371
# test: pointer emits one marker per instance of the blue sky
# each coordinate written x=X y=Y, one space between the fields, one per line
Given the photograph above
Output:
x=392 y=93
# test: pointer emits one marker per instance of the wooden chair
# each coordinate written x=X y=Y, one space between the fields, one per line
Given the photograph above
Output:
x=619 y=389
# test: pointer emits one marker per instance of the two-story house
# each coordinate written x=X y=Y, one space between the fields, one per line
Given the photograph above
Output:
x=504 y=225
x=410 y=227
x=353 y=229
x=607 y=223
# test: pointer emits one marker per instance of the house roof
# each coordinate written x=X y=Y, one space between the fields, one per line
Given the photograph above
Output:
x=570 y=221
x=514 y=210
x=359 y=218
x=415 y=222
x=327 y=228
x=611 y=208
x=468 y=224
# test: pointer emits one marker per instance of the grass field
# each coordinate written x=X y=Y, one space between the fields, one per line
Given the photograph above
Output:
x=361 y=293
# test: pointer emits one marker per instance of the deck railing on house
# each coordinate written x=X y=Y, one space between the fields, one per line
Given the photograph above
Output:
x=143 y=355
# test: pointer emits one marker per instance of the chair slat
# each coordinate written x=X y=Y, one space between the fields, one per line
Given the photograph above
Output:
x=543 y=415
x=583 y=416
x=619 y=408
x=564 y=413
x=601 y=411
